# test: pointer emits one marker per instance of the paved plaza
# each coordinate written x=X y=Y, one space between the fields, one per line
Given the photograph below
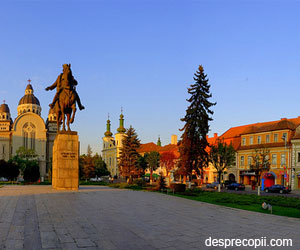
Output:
x=37 y=217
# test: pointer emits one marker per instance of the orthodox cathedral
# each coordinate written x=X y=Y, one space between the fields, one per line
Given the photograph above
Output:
x=112 y=146
x=28 y=130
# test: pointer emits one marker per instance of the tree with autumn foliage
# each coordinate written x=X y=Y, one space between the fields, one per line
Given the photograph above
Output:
x=128 y=159
x=260 y=163
x=86 y=165
x=193 y=144
x=222 y=156
x=167 y=159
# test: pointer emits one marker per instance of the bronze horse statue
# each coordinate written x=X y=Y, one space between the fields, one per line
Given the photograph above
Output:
x=64 y=103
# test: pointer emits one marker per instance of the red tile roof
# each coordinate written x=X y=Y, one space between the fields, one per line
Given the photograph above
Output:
x=148 y=147
x=234 y=134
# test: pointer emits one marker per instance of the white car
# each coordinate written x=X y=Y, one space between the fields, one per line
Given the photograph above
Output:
x=96 y=179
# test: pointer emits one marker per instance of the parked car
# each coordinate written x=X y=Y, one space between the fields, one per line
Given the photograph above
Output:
x=277 y=189
x=213 y=185
x=3 y=179
x=227 y=182
x=96 y=179
x=235 y=186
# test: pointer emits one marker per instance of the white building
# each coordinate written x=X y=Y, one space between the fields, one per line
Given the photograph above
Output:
x=112 y=146
x=28 y=130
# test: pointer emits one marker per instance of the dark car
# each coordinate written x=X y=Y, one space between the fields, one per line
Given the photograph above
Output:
x=213 y=185
x=236 y=186
x=277 y=189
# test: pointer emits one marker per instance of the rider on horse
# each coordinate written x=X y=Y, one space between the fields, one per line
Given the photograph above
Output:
x=65 y=81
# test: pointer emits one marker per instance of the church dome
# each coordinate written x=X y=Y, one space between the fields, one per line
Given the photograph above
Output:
x=29 y=103
x=4 y=108
x=29 y=97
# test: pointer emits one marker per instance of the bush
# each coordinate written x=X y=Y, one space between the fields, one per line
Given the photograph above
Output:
x=31 y=171
x=162 y=183
x=9 y=170
x=140 y=182
x=178 y=187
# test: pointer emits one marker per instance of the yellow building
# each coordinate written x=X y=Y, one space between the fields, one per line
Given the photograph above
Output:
x=281 y=138
x=28 y=130
x=112 y=146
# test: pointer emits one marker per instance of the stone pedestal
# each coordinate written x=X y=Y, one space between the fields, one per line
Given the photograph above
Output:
x=65 y=162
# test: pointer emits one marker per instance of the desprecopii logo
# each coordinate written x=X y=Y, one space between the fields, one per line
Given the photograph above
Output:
x=258 y=242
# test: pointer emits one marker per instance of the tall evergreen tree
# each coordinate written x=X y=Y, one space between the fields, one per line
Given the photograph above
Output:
x=128 y=159
x=193 y=145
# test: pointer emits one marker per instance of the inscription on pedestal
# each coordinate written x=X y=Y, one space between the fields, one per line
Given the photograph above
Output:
x=68 y=155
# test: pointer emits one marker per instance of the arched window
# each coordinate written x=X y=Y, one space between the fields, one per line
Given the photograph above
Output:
x=29 y=134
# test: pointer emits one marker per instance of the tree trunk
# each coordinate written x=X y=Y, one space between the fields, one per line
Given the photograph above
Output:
x=151 y=177
x=219 y=180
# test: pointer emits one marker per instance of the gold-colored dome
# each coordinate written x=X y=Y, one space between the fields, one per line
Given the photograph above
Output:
x=4 y=108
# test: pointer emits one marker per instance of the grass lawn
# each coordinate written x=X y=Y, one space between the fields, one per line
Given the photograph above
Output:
x=97 y=183
x=284 y=206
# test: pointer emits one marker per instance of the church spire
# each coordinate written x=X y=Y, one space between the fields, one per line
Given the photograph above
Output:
x=158 y=142
x=108 y=133
x=121 y=129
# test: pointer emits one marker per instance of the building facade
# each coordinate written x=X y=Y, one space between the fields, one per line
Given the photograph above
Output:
x=28 y=130
x=281 y=139
x=112 y=146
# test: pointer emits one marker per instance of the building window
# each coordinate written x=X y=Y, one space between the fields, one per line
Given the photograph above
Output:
x=298 y=156
x=267 y=138
x=275 y=137
x=283 y=161
x=259 y=139
x=32 y=135
x=249 y=160
x=242 y=160
x=251 y=140
x=284 y=136
x=274 y=159
x=244 y=141
x=25 y=140
x=29 y=130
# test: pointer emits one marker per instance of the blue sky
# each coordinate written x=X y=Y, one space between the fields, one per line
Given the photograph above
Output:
x=141 y=55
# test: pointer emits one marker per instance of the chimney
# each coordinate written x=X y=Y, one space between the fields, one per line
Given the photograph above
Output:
x=215 y=135
x=174 y=139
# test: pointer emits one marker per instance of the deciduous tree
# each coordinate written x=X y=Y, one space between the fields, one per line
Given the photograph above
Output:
x=167 y=159
x=153 y=161
x=222 y=156
x=100 y=166
x=260 y=163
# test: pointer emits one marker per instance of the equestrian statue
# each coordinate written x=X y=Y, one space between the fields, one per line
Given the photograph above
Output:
x=64 y=101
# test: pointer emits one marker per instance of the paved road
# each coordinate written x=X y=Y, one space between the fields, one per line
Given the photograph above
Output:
x=37 y=217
